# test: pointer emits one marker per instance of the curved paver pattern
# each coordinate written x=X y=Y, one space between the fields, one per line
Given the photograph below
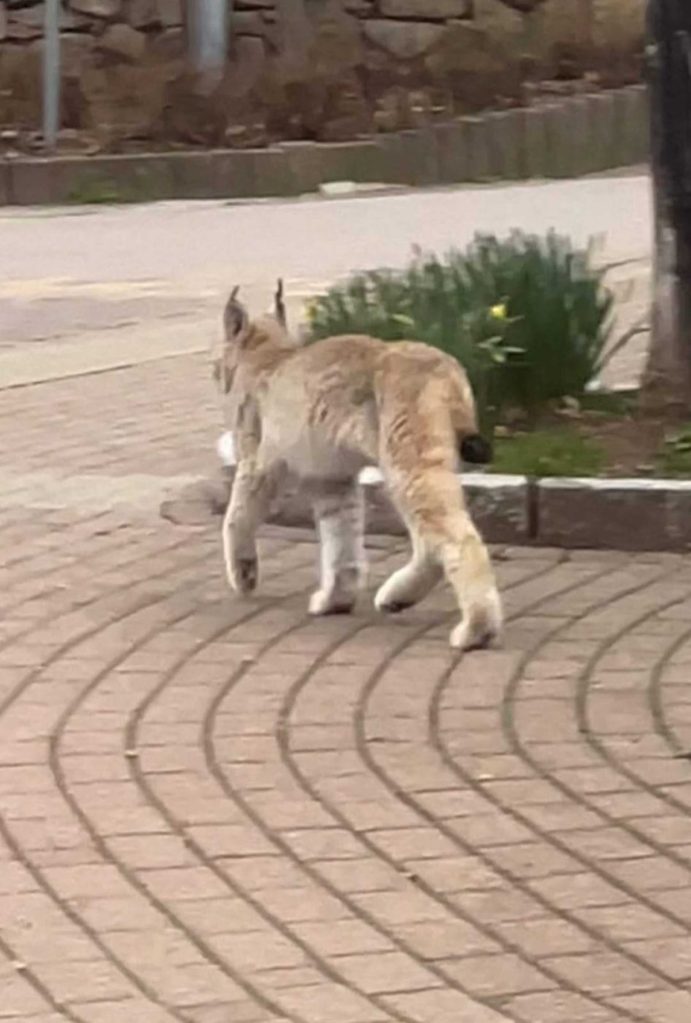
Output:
x=224 y=812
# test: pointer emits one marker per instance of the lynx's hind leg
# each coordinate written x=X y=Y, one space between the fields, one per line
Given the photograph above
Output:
x=421 y=419
x=468 y=568
x=431 y=499
x=340 y=517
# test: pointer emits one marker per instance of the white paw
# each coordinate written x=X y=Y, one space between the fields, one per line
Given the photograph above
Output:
x=465 y=637
x=388 y=606
x=389 y=598
x=380 y=597
x=225 y=447
x=370 y=476
x=481 y=628
x=459 y=637
x=324 y=602
x=244 y=575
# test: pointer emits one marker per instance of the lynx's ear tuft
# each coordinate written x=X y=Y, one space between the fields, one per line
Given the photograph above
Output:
x=279 y=304
x=235 y=318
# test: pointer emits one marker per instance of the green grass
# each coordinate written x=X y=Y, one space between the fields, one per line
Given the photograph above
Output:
x=92 y=190
x=674 y=459
x=610 y=403
x=95 y=191
x=557 y=451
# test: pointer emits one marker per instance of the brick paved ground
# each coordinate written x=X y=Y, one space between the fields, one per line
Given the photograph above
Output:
x=215 y=812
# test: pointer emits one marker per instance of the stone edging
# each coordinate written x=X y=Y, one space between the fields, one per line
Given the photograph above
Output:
x=575 y=136
x=626 y=514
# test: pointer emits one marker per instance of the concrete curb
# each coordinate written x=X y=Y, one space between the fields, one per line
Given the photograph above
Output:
x=623 y=514
x=569 y=138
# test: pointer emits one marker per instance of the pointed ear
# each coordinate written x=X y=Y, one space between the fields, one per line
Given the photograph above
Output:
x=235 y=318
x=279 y=305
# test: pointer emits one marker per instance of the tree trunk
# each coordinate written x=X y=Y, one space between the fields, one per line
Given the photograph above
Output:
x=667 y=379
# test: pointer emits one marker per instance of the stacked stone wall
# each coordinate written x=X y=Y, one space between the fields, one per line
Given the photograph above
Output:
x=319 y=70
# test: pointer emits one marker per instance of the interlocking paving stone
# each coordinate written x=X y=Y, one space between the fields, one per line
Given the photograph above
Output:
x=213 y=810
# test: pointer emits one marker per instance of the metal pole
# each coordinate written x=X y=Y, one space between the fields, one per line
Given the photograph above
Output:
x=51 y=73
x=208 y=34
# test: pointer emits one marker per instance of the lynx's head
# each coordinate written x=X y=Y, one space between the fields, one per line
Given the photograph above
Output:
x=244 y=338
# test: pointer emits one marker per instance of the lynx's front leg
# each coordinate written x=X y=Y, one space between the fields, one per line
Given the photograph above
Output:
x=250 y=499
x=340 y=517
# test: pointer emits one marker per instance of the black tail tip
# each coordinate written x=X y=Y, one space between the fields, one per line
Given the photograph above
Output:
x=475 y=450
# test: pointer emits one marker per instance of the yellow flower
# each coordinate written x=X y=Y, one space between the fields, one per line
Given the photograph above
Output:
x=499 y=311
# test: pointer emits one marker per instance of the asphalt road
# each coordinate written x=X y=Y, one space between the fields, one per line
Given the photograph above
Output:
x=68 y=274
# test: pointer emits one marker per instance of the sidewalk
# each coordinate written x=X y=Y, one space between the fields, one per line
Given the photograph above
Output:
x=213 y=811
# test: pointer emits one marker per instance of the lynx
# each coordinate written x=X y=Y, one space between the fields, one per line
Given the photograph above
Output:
x=320 y=413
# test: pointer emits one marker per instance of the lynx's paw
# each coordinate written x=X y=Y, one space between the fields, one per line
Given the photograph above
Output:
x=391 y=598
x=407 y=587
x=244 y=575
x=481 y=627
x=334 y=603
x=392 y=607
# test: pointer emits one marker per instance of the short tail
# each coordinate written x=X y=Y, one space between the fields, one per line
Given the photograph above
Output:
x=474 y=449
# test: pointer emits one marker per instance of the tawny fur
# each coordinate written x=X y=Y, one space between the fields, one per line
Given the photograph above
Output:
x=321 y=413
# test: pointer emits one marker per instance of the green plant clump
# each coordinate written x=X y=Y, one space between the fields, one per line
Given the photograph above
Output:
x=528 y=317
x=558 y=451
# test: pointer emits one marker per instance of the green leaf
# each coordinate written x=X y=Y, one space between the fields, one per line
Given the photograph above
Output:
x=405 y=321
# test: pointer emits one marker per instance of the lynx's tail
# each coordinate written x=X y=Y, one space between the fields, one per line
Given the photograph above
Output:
x=473 y=448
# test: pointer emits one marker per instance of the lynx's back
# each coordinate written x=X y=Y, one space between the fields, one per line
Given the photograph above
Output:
x=340 y=393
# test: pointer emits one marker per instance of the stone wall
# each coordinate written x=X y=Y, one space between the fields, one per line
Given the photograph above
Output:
x=325 y=70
